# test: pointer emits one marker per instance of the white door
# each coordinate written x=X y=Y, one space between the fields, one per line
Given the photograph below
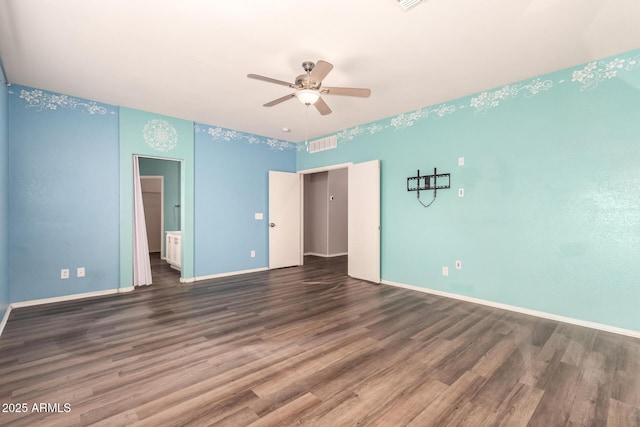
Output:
x=284 y=219
x=364 y=221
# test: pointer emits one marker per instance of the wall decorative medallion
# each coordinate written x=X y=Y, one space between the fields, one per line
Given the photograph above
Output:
x=39 y=100
x=160 y=135
x=226 y=135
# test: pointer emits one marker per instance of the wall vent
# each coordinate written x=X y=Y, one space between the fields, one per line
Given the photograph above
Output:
x=408 y=4
x=323 y=144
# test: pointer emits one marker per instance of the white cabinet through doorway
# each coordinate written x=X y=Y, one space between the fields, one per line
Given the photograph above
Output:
x=174 y=249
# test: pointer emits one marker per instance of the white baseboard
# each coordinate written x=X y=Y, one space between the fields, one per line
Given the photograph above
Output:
x=536 y=313
x=5 y=319
x=70 y=297
x=219 y=275
x=325 y=255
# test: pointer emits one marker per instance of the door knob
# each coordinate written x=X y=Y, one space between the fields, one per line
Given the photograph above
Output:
x=272 y=224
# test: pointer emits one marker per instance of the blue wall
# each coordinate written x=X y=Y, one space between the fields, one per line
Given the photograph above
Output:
x=232 y=170
x=63 y=194
x=4 y=202
x=550 y=219
x=66 y=213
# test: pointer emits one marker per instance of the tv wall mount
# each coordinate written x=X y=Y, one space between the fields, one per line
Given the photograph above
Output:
x=436 y=181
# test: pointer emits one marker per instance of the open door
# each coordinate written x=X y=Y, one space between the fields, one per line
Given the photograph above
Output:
x=364 y=221
x=284 y=219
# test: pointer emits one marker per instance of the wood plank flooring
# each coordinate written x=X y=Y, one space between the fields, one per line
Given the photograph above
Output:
x=162 y=274
x=308 y=346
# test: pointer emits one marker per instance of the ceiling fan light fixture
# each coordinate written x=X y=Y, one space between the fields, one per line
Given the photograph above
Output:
x=307 y=96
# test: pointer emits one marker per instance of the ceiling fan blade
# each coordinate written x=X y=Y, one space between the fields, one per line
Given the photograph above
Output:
x=270 y=80
x=322 y=107
x=346 y=91
x=279 y=100
x=320 y=71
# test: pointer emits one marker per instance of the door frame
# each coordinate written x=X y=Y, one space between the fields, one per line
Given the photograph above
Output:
x=182 y=200
x=161 y=179
x=309 y=172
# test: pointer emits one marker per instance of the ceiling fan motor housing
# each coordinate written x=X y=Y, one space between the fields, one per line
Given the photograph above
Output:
x=303 y=81
x=308 y=66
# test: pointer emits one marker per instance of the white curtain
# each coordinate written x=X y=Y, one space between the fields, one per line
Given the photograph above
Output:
x=141 y=261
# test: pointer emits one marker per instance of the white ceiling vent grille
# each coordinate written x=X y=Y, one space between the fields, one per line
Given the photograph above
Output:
x=408 y=4
x=323 y=144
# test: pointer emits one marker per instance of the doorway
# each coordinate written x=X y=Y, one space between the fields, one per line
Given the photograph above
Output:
x=363 y=212
x=326 y=213
x=161 y=192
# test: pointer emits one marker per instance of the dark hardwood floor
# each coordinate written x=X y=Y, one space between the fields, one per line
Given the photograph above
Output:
x=162 y=274
x=309 y=345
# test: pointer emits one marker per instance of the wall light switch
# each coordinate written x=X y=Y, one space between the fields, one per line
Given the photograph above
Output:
x=445 y=271
x=458 y=265
x=460 y=192
x=64 y=273
x=460 y=161
x=259 y=215
x=80 y=272
x=253 y=254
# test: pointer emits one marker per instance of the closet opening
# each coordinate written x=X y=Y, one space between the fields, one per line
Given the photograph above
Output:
x=325 y=210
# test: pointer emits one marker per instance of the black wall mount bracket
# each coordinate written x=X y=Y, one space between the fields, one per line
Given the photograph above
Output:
x=436 y=181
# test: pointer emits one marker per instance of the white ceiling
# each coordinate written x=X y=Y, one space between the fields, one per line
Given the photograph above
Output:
x=189 y=58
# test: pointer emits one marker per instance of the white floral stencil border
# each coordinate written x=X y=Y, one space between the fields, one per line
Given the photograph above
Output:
x=40 y=100
x=487 y=100
x=226 y=135
x=589 y=77
x=598 y=71
x=401 y=121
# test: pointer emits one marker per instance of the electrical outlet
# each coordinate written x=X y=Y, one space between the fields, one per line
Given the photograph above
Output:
x=258 y=215
x=64 y=273
x=80 y=272
x=445 y=270
x=458 y=265
x=253 y=254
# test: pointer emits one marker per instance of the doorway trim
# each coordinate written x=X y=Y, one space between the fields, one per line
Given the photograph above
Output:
x=325 y=168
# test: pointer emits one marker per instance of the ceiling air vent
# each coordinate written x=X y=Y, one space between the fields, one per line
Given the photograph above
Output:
x=408 y=4
x=323 y=144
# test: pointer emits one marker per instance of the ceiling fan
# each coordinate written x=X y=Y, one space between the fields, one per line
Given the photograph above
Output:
x=309 y=87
